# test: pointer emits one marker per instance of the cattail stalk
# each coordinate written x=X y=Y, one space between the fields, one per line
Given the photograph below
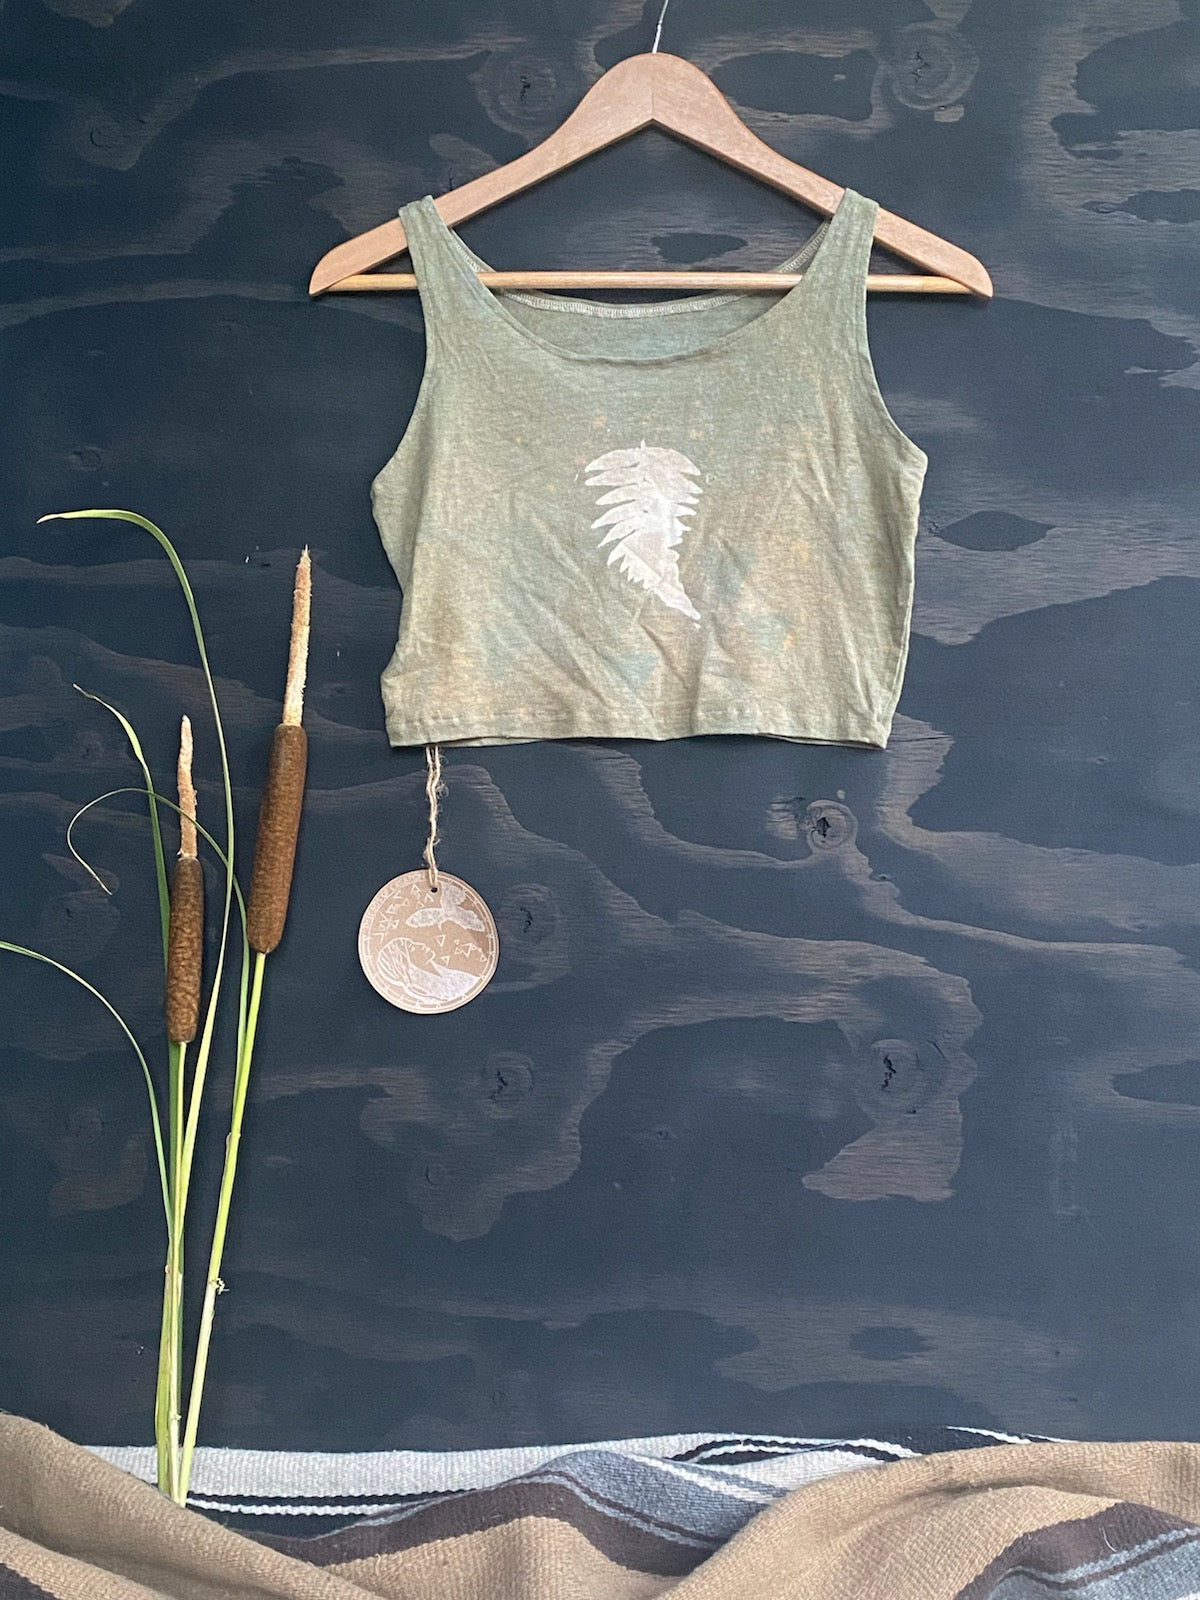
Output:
x=169 y=1386
x=185 y=967
x=175 y=1183
x=266 y=913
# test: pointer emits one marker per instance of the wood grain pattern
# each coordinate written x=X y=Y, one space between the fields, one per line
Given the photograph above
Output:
x=818 y=1089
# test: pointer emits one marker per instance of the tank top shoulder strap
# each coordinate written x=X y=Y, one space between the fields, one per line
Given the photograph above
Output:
x=829 y=305
x=841 y=263
x=443 y=266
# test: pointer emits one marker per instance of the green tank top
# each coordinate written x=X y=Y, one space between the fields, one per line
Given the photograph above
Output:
x=649 y=521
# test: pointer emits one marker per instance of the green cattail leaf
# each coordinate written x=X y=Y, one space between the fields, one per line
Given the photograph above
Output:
x=36 y=955
x=204 y=1048
x=160 y=863
x=162 y=800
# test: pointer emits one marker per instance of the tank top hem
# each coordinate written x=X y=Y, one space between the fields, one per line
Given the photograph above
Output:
x=532 y=726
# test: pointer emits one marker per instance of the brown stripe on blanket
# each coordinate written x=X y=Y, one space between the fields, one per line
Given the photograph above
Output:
x=625 y=1537
x=1050 y=1554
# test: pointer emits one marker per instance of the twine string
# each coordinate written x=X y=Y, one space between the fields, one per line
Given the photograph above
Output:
x=434 y=789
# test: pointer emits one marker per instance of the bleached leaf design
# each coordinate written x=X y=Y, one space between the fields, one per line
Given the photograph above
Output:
x=652 y=492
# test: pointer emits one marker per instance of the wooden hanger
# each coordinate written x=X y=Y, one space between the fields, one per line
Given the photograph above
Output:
x=661 y=91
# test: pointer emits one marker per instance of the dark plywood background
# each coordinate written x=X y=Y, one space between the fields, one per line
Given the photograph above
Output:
x=819 y=1089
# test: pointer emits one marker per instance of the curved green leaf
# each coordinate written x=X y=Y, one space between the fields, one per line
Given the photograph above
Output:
x=160 y=862
x=36 y=955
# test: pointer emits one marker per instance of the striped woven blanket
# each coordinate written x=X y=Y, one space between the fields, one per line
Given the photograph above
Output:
x=951 y=1514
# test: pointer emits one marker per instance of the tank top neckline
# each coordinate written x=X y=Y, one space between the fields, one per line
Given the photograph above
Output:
x=820 y=244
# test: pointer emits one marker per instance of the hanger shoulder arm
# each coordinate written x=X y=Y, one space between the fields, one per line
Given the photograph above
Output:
x=360 y=254
x=905 y=239
x=617 y=105
x=935 y=254
x=687 y=103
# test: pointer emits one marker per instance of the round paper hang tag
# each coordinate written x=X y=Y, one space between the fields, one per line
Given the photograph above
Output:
x=428 y=950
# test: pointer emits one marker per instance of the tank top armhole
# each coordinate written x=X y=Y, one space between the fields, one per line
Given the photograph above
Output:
x=402 y=558
x=860 y=342
x=425 y=265
x=427 y=291
x=421 y=402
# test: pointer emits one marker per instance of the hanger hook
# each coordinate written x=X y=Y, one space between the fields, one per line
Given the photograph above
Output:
x=658 y=30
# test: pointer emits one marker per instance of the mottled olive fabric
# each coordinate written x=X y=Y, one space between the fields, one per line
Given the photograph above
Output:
x=649 y=521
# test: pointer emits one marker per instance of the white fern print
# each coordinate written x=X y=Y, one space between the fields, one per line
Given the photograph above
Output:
x=652 y=493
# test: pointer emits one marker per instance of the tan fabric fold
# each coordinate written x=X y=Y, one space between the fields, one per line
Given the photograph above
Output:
x=1118 y=1521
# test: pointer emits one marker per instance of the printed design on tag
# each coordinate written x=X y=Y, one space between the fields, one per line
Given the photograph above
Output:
x=451 y=907
x=427 y=950
x=417 y=970
x=651 y=494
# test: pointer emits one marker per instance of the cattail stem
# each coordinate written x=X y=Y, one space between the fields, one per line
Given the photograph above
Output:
x=185 y=968
x=168 y=1398
x=214 y=1286
x=266 y=913
x=169 y=1349
x=175 y=1270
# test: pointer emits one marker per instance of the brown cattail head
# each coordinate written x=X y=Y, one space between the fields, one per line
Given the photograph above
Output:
x=275 y=847
x=185 y=950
